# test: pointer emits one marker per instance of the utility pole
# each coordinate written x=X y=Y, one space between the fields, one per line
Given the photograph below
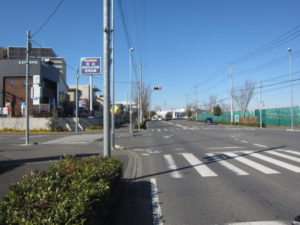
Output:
x=231 y=94
x=130 y=71
x=260 y=105
x=291 y=80
x=91 y=93
x=140 y=97
x=113 y=77
x=28 y=49
x=76 y=99
x=106 y=79
x=196 y=87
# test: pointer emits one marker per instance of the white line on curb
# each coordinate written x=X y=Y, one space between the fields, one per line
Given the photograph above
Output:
x=156 y=210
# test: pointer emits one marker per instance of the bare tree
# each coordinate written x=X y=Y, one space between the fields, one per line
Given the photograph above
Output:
x=243 y=95
x=224 y=106
x=145 y=97
x=212 y=101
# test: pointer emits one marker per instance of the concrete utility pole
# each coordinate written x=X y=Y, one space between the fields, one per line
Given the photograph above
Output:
x=106 y=79
x=231 y=94
x=291 y=79
x=140 y=105
x=28 y=49
x=91 y=93
x=196 y=88
x=113 y=77
x=130 y=71
x=260 y=105
x=141 y=94
x=76 y=99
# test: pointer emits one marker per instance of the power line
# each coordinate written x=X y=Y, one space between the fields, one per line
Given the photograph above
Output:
x=49 y=18
x=282 y=39
x=125 y=28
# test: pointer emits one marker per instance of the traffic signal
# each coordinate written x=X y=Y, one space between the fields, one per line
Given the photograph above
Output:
x=157 y=88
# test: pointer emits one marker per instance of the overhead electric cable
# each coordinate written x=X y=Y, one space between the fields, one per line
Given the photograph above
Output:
x=49 y=18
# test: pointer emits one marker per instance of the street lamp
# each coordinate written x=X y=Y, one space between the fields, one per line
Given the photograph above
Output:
x=130 y=71
x=291 y=80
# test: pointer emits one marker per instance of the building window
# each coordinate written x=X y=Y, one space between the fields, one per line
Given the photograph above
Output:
x=12 y=83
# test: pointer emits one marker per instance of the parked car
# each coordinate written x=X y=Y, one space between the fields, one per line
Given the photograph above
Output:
x=208 y=121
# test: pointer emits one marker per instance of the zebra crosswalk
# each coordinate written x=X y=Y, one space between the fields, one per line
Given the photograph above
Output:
x=240 y=163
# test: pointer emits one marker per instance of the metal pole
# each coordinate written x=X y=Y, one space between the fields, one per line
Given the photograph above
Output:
x=91 y=93
x=260 y=105
x=291 y=79
x=196 y=117
x=106 y=78
x=130 y=106
x=76 y=99
x=28 y=48
x=139 y=106
x=231 y=94
x=113 y=78
x=141 y=93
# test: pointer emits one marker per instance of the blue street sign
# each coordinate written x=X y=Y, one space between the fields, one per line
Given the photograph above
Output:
x=90 y=65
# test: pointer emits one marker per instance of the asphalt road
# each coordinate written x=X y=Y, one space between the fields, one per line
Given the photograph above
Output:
x=183 y=172
x=215 y=174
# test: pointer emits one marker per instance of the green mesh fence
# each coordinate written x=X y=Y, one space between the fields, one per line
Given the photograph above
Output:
x=279 y=116
x=276 y=116
x=225 y=116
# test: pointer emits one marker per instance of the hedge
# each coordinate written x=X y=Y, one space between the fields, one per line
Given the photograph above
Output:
x=71 y=191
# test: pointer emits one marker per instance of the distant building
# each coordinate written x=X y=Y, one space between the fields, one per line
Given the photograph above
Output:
x=45 y=54
x=43 y=80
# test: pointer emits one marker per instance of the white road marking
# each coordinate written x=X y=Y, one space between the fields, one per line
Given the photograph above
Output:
x=229 y=166
x=172 y=166
x=202 y=169
x=157 y=214
x=292 y=158
x=230 y=147
x=158 y=130
x=165 y=129
x=260 y=223
x=290 y=151
x=254 y=165
x=246 y=142
x=145 y=154
x=168 y=136
x=263 y=146
x=152 y=130
x=287 y=166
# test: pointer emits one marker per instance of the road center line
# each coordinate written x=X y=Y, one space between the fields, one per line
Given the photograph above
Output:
x=246 y=142
x=157 y=215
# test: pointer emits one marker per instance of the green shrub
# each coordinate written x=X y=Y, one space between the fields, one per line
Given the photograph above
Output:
x=72 y=191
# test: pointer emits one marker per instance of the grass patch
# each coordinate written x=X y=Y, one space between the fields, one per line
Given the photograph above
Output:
x=94 y=127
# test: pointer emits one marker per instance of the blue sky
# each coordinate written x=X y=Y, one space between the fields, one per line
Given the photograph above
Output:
x=185 y=44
